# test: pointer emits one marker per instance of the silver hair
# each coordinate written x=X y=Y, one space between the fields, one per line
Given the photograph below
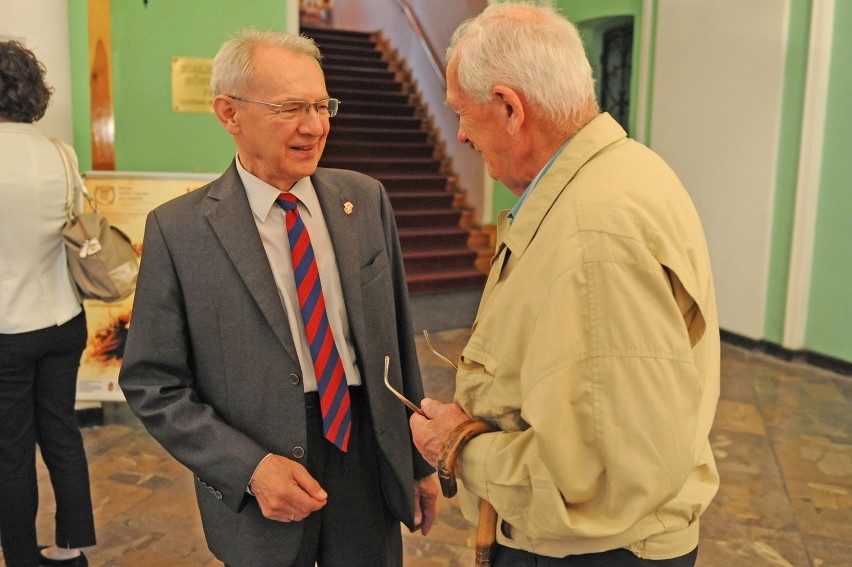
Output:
x=533 y=50
x=233 y=65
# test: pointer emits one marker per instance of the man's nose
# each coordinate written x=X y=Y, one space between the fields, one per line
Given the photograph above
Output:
x=462 y=136
x=311 y=122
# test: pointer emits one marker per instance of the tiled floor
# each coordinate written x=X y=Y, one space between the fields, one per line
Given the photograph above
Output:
x=782 y=438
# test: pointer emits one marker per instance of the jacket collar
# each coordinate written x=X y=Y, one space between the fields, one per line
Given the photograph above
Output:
x=599 y=133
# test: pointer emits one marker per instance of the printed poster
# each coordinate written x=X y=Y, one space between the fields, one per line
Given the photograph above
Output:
x=125 y=199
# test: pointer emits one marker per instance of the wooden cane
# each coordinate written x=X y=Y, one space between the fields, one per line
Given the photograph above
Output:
x=486 y=531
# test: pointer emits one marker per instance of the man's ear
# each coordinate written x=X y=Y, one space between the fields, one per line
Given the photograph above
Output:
x=225 y=109
x=511 y=107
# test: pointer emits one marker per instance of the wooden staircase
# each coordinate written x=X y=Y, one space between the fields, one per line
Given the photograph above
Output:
x=382 y=130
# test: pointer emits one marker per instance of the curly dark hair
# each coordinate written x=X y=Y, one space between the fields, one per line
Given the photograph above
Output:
x=23 y=93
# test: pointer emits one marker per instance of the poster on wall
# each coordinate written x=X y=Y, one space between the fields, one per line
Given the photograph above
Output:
x=125 y=199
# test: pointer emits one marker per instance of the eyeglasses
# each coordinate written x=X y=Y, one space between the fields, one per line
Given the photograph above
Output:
x=411 y=405
x=295 y=109
x=435 y=351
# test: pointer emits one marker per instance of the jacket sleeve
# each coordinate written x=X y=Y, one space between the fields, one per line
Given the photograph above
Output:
x=159 y=381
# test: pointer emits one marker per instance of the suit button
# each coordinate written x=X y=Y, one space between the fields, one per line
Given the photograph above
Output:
x=218 y=495
x=298 y=452
x=294 y=379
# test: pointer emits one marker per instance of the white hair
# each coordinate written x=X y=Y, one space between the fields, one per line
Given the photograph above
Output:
x=233 y=65
x=531 y=49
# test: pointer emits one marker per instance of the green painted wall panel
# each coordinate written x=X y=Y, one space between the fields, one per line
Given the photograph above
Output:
x=789 y=145
x=503 y=199
x=149 y=136
x=80 y=93
x=829 y=328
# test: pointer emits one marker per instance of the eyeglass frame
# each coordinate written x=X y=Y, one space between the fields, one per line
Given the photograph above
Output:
x=335 y=102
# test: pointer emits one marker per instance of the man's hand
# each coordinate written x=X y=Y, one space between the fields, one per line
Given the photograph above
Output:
x=425 y=500
x=430 y=432
x=285 y=490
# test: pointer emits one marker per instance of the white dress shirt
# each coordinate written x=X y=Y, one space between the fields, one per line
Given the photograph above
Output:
x=269 y=218
x=36 y=290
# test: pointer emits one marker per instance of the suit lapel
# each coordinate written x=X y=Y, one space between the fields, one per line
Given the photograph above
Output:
x=341 y=229
x=233 y=223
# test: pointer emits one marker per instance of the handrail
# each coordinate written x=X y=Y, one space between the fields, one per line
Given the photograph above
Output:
x=424 y=41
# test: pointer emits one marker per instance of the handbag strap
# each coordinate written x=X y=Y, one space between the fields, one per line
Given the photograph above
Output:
x=74 y=185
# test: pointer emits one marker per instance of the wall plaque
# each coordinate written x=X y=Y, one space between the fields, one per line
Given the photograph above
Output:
x=191 y=84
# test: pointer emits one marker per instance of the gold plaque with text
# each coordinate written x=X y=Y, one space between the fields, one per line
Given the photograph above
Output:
x=191 y=84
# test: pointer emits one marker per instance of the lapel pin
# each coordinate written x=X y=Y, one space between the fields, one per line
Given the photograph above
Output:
x=348 y=207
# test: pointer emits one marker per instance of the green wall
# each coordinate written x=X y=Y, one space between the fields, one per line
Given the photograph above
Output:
x=789 y=146
x=829 y=328
x=503 y=199
x=149 y=136
x=78 y=22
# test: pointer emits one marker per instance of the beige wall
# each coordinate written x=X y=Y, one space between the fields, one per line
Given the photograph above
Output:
x=718 y=82
x=42 y=25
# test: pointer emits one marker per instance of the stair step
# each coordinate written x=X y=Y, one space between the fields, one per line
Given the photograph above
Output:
x=333 y=72
x=344 y=45
x=378 y=122
x=310 y=31
x=346 y=59
x=445 y=280
x=358 y=148
x=337 y=83
x=325 y=39
x=413 y=182
x=427 y=218
x=349 y=51
x=402 y=200
x=377 y=97
x=419 y=238
x=374 y=165
x=371 y=108
x=419 y=261
x=344 y=133
x=334 y=34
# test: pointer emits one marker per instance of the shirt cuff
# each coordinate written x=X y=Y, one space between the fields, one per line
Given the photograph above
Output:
x=248 y=487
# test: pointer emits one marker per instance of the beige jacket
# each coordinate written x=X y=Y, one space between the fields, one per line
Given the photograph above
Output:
x=596 y=351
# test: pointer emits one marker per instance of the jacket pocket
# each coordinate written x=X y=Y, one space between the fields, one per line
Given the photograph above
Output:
x=374 y=269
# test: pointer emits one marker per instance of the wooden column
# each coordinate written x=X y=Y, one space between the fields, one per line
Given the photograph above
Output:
x=100 y=84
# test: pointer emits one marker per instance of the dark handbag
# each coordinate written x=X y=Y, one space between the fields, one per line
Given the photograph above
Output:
x=101 y=258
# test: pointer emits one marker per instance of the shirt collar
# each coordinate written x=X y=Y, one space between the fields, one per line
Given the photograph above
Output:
x=19 y=128
x=262 y=195
x=513 y=213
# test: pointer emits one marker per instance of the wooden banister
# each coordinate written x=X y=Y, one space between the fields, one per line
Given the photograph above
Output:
x=431 y=54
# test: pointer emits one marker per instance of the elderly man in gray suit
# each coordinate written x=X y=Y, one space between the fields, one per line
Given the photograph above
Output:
x=266 y=304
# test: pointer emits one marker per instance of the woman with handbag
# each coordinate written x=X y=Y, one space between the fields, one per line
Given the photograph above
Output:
x=42 y=329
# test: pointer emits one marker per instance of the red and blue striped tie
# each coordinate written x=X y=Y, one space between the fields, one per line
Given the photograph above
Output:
x=331 y=380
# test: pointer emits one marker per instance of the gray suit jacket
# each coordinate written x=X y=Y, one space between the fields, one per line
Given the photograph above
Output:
x=211 y=369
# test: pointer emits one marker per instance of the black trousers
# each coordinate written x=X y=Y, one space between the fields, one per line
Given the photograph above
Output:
x=508 y=557
x=355 y=528
x=38 y=383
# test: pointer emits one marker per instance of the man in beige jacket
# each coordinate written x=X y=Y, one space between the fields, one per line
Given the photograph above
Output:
x=595 y=350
